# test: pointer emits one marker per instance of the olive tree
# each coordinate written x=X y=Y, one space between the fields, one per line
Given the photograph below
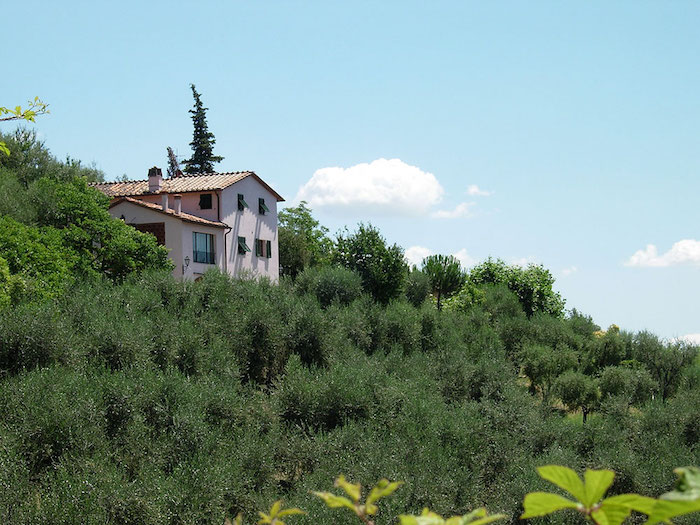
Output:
x=578 y=391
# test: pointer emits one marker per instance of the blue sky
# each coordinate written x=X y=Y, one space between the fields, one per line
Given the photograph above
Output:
x=550 y=132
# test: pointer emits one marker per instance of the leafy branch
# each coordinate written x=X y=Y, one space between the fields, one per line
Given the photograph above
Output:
x=363 y=510
x=34 y=108
x=588 y=494
x=614 y=510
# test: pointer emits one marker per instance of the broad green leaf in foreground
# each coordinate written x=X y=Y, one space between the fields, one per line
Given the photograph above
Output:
x=564 y=478
x=335 y=502
x=610 y=514
x=543 y=503
x=642 y=504
x=596 y=483
x=275 y=514
x=684 y=500
x=351 y=489
x=383 y=489
x=687 y=485
x=363 y=510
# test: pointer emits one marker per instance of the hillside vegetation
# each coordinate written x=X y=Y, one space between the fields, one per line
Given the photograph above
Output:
x=155 y=401
x=128 y=397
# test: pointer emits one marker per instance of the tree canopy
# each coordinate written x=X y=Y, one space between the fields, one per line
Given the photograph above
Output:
x=445 y=274
x=382 y=268
x=55 y=228
x=533 y=285
x=302 y=241
x=203 y=158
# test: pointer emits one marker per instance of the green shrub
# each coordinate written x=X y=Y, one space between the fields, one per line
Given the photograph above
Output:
x=330 y=284
x=307 y=333
x=33 y=336
x=577 y=391
x=323 y=399
x=467 y=297
x=501 y=303
x=533 y=285
x=542 y=365
x=403 y=327
x=616 y=381
x=417 y=287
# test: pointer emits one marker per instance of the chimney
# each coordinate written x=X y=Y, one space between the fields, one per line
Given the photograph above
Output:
x=178 y=204
x=155 y=179
x=165 y=201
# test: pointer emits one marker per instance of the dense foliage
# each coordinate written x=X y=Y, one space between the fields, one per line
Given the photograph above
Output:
x=302 y=241
x=382 y=267
x=156 y=401
x=55 y=229
x=532 y=285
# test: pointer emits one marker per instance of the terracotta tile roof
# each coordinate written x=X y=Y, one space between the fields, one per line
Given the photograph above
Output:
x=157 y=207
x=184 y=184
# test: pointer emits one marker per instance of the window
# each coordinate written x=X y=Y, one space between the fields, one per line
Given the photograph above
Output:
x=205 y=201
x=262 y=209
x=263 y=248
x=242 y=204
x=203 y=247
x=242 y=246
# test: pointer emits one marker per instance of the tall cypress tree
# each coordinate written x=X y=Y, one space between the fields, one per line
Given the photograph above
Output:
x=203 y=158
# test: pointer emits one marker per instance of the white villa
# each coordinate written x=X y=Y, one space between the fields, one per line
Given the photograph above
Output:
x=227 y=220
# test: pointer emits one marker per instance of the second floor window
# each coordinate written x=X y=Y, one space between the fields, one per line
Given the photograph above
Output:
x=262 y=208
x=203 y=247
x=205 y=201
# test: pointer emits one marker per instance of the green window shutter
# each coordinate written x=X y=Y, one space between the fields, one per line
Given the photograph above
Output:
x=269 y=249
x=242 y=204
x=258 y=248
x=242 y=246
x=262 y=208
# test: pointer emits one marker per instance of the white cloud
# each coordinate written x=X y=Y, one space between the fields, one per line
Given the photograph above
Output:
x=465 y=259
x=693 y=339
x=415 y=255
x=682 y=252
x=569 y=270
x=461 y=210
x=521 y=261
x=383 y=186
x=475 y=191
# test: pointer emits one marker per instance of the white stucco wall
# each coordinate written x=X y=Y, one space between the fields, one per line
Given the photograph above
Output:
x=178 y=237
x=250 y=224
